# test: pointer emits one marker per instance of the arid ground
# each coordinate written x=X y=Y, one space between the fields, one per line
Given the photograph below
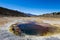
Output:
x=5 y=22
x=52 y=21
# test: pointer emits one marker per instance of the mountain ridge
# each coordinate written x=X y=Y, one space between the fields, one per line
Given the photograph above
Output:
x=14 y=13
x=5 y=12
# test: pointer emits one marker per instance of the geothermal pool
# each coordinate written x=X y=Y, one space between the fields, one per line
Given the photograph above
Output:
x=5 y=34
x=32 y=28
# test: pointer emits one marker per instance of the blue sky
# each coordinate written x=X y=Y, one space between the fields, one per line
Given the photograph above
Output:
x=32 y=6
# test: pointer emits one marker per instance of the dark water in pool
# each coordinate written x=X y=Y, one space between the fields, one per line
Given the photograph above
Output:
x=27 y=28
x=31 y=28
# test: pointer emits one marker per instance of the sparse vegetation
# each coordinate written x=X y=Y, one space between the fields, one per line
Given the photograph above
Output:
x=54 y=14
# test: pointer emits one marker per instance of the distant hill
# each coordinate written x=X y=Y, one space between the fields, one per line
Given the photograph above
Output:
x=31 y=15
x=4 y=12
x=54 y=14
